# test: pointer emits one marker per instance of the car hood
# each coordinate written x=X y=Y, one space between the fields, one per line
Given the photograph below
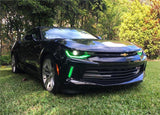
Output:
x=99 y=45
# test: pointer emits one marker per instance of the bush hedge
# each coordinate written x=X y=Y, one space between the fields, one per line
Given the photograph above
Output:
x=142 y=27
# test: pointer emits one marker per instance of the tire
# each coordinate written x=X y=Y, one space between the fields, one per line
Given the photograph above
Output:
x=49 y=75
x=14 y=64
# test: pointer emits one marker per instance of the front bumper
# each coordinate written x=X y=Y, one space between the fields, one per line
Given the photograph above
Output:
x=109 y=72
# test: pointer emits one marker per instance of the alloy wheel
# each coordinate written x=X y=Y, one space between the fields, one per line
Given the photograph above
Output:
x=13 y=64
x=48 y=74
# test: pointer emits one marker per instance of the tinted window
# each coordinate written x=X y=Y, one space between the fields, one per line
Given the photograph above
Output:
x=28 y=37
x=54 y=33
x=33 y=34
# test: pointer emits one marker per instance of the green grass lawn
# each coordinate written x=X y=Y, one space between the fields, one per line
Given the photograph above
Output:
x=28 y=97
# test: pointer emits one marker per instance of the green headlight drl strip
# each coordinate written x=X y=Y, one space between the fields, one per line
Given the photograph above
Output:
x=70 y=72
x=139 y=53
x=78 y=57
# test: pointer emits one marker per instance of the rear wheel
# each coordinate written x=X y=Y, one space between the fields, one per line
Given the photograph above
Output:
x=14 y=64
x=49 y=75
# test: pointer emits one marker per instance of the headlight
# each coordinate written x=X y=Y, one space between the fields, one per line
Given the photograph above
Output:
x=77 y=54
x=142 y=55
x=140 y=52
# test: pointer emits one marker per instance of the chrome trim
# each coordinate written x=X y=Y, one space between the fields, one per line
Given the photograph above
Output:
x=76 y=82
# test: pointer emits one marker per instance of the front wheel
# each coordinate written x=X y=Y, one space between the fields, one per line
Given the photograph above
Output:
x=48 y=75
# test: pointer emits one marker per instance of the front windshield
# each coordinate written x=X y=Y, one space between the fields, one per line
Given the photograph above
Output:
x=66 y=33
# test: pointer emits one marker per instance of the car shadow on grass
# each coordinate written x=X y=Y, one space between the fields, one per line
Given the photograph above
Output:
x=93 y=90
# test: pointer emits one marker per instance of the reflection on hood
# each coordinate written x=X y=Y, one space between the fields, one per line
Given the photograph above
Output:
x=111 y=44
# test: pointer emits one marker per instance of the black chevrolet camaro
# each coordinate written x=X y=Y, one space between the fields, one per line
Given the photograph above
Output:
x=67 y=56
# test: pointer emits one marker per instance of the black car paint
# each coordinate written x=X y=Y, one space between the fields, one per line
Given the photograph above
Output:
x=30 y=54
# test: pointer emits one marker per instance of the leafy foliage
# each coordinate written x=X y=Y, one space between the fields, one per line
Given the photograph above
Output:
x=109 y=20
x=5 y=60
x=141 y=25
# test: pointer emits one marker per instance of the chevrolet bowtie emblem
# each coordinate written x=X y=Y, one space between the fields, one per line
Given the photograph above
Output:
x=124 y=54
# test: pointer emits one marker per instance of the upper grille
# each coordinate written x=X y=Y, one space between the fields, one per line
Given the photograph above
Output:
x=108 y=75
x=115 y=54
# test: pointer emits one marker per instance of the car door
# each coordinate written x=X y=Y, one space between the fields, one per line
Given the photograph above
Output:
x=35 y=49
x=32 y=47
x=24 y=50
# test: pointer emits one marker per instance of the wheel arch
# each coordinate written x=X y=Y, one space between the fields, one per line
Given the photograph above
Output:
x=14 y=49
x=44 y=53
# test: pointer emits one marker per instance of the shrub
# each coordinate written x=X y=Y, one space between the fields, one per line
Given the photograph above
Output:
x=5 y=60
x=141 y=26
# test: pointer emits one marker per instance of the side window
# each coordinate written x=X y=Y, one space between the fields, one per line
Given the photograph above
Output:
x=36 y=34
x=28 y=37
x=32 y=35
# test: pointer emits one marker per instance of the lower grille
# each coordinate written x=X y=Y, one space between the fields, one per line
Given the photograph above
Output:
x=108 y=75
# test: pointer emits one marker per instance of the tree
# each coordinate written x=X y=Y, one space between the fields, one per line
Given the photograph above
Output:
x=21 y=16
x=100 y=17
x=109 y=19
x=79 y=13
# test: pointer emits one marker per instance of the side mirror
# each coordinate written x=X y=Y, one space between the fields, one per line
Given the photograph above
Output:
x=99 y=37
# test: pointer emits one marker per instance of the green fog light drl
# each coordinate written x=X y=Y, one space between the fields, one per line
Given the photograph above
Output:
x=70 y=71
